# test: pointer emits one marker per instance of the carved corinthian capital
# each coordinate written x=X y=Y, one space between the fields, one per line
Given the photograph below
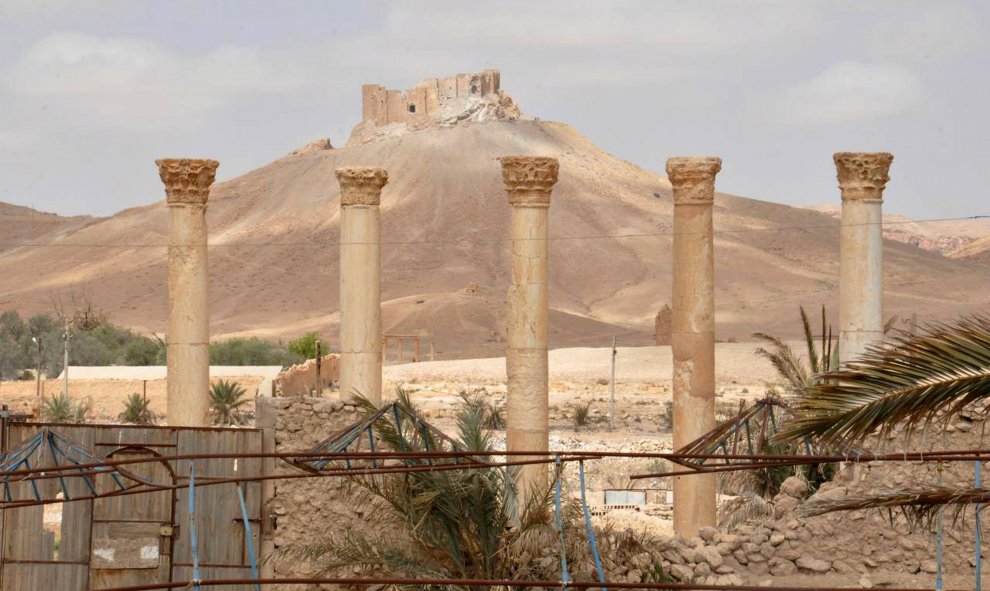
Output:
x=187 y=181
x=361 y=185
x=529 y=179
x=863 y=175
x=693 y=179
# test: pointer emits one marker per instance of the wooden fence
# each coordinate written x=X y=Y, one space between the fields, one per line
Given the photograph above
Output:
x=134 y=539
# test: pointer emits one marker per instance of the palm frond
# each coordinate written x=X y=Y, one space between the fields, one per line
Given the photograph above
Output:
x=787 y=363
x=809 y=339
x=746 y=508
x=911 y=381
x=919 y=504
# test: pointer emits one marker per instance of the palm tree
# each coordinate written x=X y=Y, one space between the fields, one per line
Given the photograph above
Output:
x=226 y=398
x=137 y=411
x=911 y=381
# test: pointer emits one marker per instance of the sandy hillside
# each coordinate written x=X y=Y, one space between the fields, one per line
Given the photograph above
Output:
x=274 y=257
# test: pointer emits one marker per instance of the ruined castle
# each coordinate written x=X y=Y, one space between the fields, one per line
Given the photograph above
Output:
x=434 y=102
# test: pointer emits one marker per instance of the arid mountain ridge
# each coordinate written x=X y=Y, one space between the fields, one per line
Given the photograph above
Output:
x=445 y=257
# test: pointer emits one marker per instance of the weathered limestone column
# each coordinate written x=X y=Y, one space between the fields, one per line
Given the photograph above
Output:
x=692 y=336
x=862 y=178
x=187 y=187
x=361 y=282
x=528 y=182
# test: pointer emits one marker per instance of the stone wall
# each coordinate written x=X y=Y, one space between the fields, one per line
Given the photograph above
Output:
x=303 y=510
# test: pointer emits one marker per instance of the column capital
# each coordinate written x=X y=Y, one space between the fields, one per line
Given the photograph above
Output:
x=529 y=179
x=187 y=180
x=862 y=175
x=693 y=178
x=361 y=185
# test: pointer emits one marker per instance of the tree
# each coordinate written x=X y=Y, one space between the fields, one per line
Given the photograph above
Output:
x=305 y=346
x=144 y=351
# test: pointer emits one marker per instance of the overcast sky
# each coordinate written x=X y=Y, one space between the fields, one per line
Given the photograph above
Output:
x=92 y=91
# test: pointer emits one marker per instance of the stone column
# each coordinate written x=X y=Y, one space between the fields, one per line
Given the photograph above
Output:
x=187 y=187
x=862 y=178
x=692 y=336
x=361 y=282
x=528 y=182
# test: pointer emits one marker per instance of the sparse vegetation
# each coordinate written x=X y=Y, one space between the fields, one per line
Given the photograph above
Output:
x=226 y=399
x=137 y=411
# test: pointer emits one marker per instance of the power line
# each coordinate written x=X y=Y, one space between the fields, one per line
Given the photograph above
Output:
x=471 y=240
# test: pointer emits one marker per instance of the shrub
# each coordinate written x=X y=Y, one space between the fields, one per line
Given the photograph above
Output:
x=582 y=414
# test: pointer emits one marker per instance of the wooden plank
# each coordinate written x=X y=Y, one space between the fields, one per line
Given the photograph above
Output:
x=76 y=515
x=221 y=537
x=35 y=577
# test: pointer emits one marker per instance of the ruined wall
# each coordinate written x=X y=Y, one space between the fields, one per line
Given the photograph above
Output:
x=300 y=380
x=664 y=325
x=304 y=510
x=382 y=106
x=865 y=547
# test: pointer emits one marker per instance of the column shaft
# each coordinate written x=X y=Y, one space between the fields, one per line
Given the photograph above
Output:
x=693 y=331
x=187 y=185
x=360 y=282
x=862 y=178
x=526 y=339
x=528 y=182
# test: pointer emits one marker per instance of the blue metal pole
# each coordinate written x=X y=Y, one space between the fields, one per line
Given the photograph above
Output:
x=978 y=469
x=248 y=537
x=565 y=577
x=591 y=532
x=192 y=523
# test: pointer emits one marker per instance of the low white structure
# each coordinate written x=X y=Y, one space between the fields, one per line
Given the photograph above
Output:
x=267 y=373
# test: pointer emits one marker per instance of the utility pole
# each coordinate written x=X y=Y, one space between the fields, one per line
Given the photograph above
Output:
x=319 y=368
x=611 y=408
x=41 y=398
x=65 y=386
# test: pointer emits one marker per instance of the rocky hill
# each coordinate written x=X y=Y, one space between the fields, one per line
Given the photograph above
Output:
x=274 y=253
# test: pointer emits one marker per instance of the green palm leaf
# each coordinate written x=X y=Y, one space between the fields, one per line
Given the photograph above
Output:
x=912 y=380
